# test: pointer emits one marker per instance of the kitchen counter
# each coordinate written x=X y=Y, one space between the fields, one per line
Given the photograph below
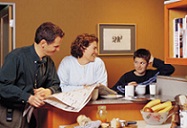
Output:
x=123 y=100
x=52 y=117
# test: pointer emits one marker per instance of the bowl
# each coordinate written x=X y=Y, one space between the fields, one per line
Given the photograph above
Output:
x=140 y=89
x=154 y=118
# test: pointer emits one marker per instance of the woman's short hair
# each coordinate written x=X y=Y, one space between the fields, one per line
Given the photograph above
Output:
x=142 y=53
x=81 y=43
x=48 y=31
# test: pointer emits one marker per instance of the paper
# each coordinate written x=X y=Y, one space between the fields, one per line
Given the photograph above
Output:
x=72 y=101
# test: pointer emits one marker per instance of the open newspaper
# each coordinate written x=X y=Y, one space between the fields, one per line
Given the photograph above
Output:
x=72 y=101
x=75 y=100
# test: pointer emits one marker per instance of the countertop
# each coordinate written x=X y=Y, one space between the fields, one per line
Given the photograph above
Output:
x=123 y=100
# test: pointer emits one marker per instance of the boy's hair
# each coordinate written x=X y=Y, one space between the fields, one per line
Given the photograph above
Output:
x=48 y=31
x=142 y=53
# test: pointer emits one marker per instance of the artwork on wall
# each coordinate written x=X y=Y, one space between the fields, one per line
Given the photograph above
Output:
x=116 y=39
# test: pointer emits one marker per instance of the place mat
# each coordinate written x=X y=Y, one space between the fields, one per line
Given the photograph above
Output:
x=110 y=96
x=138 y=99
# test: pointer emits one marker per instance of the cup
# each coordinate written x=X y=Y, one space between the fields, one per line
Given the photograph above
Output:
x=140 y=89
x=129 y=91
x=152 y=89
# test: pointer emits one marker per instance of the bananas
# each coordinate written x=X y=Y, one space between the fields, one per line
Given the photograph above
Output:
x=156 y=106
x=152 y=103
x=167 y=109
x=161 y=106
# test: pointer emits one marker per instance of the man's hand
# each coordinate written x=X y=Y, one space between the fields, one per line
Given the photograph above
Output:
x=36 y=101
x=42 y=92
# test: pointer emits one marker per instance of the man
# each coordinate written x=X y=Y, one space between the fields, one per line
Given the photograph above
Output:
x=142 y=75
x=28 y=76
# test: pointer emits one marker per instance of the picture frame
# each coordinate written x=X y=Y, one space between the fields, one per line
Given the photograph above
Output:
x=116 y=39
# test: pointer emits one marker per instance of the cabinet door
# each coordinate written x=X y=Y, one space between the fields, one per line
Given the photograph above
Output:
x=172 y=11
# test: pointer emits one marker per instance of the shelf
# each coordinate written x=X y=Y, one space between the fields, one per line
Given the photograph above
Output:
x=171 y=11
x=180 y=4
x=176 y=61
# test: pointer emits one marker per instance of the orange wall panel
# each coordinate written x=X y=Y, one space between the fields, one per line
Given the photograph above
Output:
x=80 y=16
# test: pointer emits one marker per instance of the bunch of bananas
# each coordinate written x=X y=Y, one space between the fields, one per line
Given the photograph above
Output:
x=156 y=106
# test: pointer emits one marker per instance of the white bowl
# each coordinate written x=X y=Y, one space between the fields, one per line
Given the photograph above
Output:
x=154 y=118
x=140 y=89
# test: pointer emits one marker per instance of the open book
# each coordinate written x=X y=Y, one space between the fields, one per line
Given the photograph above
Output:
x=75 y=100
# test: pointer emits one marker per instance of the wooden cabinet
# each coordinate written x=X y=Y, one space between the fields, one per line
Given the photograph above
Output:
x=52 y=117
x=171 y=11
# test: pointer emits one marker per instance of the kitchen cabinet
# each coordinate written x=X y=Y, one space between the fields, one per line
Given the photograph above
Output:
x=52 y=117
x=171 y=11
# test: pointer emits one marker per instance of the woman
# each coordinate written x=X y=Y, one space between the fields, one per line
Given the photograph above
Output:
x=82 y=67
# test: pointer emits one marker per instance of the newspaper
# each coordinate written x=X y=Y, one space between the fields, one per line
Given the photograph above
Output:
x=72 y=101
x=75 y=100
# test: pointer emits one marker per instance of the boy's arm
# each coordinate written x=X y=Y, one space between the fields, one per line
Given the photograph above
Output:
x=164 y=69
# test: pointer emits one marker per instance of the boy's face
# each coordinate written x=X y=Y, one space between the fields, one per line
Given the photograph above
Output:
x=140 y=66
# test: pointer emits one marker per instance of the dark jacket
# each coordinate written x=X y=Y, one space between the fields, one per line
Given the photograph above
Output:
x=23 y=71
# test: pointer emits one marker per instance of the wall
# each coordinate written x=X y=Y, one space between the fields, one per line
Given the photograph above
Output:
x=80 y=16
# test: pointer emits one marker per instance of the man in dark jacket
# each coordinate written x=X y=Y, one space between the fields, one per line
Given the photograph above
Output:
x=28 y=76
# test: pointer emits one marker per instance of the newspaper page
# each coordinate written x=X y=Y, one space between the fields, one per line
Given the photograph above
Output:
x=72 y=101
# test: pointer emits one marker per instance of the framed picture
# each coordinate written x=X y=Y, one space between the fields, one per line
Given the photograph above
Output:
x=116 y=39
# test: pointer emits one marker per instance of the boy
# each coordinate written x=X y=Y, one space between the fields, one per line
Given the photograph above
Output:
x=142 y=75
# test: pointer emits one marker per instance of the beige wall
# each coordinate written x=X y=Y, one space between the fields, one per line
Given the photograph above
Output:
x=176 y=86
x=80 y=16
